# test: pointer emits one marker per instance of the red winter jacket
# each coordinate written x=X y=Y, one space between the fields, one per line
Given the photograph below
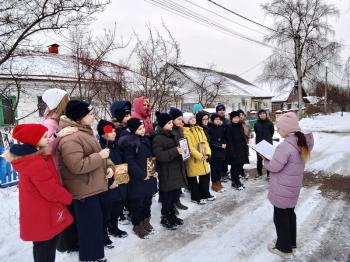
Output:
x=42 y=198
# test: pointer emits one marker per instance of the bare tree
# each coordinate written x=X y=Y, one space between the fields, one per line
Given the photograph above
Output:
x=98 y=81
x=208 y=87
x=157 y=79
x=20 y=20
x=301 y=30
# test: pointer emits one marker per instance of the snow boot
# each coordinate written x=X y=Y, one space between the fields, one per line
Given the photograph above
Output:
x=181 y=206
x=211 y=198
x=147 y=225
x=140 y=231
x=115 y=231
x=167 y=222
x=176 y=220
x=216 y=186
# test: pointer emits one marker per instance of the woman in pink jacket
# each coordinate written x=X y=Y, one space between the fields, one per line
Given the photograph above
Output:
x=286 y=179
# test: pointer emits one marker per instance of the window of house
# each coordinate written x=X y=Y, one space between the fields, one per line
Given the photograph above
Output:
x=41 y=106
x=7 y=112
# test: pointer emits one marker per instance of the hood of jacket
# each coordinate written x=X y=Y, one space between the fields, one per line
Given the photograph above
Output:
x=123 y=104
x=139 y=109
x=66 y=122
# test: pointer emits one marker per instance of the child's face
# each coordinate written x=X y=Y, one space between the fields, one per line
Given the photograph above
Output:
x=168 y=126
x=141 y=130
x=192 y=121
x=178 y=121
x=88 y=119
x=125 y=119
x=110 y=136
x=242 y=116
x=262 y=116
x=282 y=132
x=205 y=120
x=235 y=120
x=44 y=141
x=217 y=121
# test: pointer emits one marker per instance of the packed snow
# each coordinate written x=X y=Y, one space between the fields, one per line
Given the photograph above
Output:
x=238 y=225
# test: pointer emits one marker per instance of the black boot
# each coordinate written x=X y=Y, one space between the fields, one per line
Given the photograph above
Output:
x=167 y=222
x=176 y=220
x=115 y=231
x=181 y=206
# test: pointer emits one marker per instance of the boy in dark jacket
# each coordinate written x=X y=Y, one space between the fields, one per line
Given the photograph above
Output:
x=264 y=130
x=237 y=149
x=113 y=200
x=217 y=142
x=136 y=148
x=172 y=175
x=178 y=124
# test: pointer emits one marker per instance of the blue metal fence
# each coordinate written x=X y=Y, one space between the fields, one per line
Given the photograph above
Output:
x=8 y=177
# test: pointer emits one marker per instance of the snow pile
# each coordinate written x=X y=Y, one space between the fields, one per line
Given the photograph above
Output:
x=332 y=142
x=333 y=123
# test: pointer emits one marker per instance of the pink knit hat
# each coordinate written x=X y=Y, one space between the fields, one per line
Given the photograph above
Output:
x=288 y=122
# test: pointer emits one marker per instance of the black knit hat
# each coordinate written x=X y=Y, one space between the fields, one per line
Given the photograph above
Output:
x=163 y=118
x=120 y=113
x=262 y=111
x=76 y=109
x=234 y=114
x=175 y=113
x=101 y=124
x=133 y=124
x=240 y=111
x=213 y=116
x=220 y=107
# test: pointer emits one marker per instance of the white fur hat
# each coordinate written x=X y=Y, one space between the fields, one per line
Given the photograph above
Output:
x=52 y=97
x=187 y=116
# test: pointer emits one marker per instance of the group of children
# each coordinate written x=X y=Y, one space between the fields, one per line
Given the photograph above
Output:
x=68 y=176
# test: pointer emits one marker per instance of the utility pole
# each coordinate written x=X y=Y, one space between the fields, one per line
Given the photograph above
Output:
x=325 y=91
x=298 y=64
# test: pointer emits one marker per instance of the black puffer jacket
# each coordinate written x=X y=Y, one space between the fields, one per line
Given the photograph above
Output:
x=264 y=130
x=236 y=145
x=216 y=140
x=136 y=150
x=169 y=162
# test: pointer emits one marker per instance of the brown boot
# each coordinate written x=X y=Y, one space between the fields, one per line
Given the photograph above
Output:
x=140 y=231
x=147 y=225
x=215 y=186
x=222 y=189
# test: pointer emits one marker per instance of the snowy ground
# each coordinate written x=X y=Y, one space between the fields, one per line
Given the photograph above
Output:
x=238 y=225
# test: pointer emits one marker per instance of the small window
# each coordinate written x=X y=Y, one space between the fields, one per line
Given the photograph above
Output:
x=41 y=106
x=7 y=112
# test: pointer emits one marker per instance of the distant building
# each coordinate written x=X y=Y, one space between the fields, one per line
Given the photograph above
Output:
x=233 y=91
x=36 y=72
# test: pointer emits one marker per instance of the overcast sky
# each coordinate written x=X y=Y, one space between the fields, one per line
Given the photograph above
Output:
x=201 y=45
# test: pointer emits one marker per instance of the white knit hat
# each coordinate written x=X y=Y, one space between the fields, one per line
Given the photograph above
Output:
x=52 y=97
x=187 y=116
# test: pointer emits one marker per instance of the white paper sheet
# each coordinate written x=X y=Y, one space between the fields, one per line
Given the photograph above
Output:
x=265 y=149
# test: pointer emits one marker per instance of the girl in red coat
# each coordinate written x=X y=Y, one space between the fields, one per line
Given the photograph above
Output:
x=42 y=198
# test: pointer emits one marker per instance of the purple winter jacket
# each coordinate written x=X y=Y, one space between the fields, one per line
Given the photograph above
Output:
x=286 y=172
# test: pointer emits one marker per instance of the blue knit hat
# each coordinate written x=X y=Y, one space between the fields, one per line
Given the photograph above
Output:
x=196 y=108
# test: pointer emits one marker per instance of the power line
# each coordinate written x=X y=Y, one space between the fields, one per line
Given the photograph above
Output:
x=253 y=67
x=189 y=14
x=224 y=17
x=241 y=16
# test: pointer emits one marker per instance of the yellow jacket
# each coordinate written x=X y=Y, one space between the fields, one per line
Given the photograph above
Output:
x=195 y=165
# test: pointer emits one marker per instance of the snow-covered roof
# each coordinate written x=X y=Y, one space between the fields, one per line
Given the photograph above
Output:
x=231 y=84
x=47 y=66
x=314 y=99
x=280 y=90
